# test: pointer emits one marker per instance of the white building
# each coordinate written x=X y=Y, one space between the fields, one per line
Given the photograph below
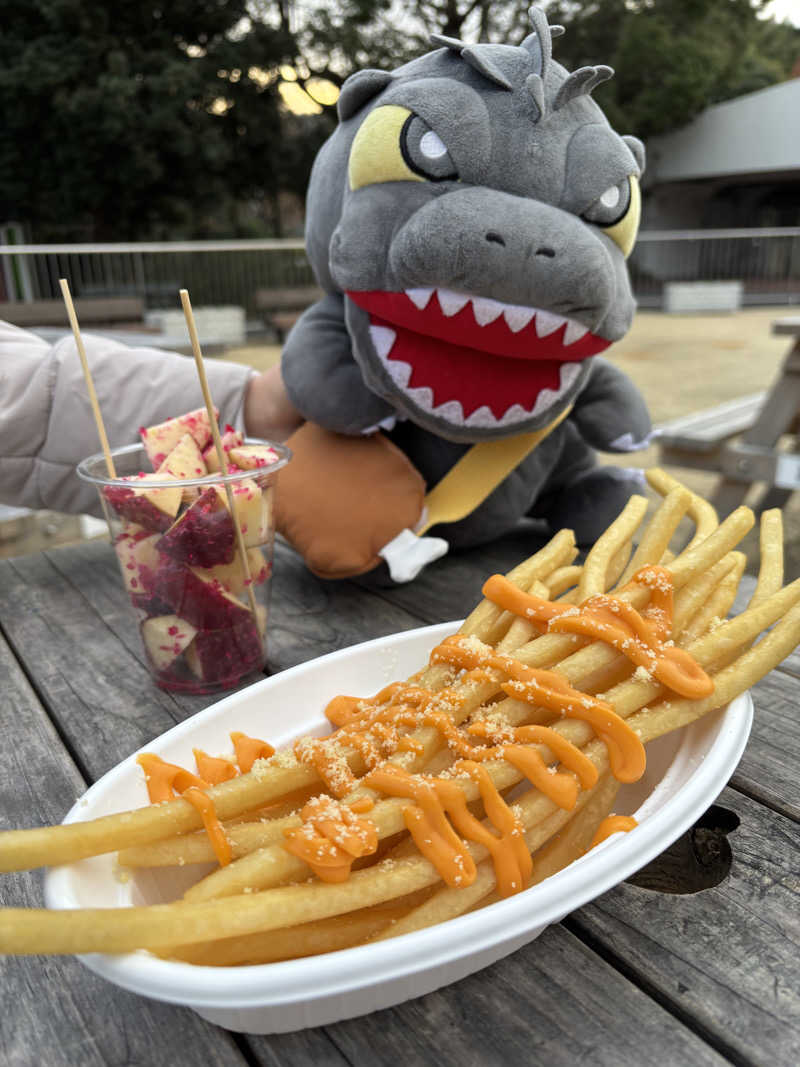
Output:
x=737 y=165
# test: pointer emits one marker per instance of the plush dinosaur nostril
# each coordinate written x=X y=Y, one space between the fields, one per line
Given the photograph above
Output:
x=495 y=238
x=545 y=251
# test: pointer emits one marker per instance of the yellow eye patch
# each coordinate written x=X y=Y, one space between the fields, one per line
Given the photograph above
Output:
x=624 y=232
x=376 y=155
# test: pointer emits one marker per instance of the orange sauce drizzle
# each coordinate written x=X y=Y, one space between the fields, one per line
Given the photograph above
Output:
x=331 y=837
x=370 y=725
x=213 y=769
x=642 y=638
x=329 y=765
x=551 y=690
x=249 y=749
x=613 y=824
x=214 y=828
x=165 y=780
x=437 y=838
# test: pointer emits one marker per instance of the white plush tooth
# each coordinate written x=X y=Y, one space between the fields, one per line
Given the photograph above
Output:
x=544 y=400
x=383 y=338
x=399 y=372
x=486 y=310
x=482 y=416
x=569 y=372
x=517 y=317
x=452 y=411
x=547 y=323
x=516 y=413
x=422 y=397
x=574 y=332
x=419 y=297
x=451 y=303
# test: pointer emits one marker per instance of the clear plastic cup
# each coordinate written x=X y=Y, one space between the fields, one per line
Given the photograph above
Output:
x=202 y=614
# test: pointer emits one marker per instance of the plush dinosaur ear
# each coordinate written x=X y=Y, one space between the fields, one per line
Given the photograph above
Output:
x=637 y=148
x=358 y=89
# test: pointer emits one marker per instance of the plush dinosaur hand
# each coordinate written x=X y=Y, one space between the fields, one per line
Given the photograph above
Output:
x=476 y=208
x=609 y=413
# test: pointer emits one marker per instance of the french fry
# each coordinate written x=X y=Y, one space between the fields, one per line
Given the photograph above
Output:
x=593 y=578
x=703 y=514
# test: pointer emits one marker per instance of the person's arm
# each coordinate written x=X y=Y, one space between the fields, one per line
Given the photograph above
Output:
x=46 y=423
x=268 y=411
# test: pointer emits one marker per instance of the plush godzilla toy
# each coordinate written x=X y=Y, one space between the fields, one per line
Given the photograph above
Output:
x=469 y=222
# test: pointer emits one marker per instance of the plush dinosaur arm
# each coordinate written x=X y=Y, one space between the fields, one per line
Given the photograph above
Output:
x=610 y=413
x=321 y=377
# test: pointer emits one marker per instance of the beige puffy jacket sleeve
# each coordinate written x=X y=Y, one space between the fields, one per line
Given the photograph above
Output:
x=46 y=423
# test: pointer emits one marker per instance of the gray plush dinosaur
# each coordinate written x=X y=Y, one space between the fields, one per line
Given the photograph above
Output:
x=469 y=221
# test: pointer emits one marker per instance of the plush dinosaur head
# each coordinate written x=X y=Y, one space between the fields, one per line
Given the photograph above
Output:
x=476 y=208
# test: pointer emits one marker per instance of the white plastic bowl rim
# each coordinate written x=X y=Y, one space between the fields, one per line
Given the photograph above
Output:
x=346 y=971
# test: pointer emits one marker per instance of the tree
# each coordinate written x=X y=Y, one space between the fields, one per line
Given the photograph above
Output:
x=165 y=119
x=673 y=58
x=114 y=120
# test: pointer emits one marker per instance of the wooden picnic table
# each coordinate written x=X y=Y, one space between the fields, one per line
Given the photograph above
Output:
x=741 y=439
x=638 y=976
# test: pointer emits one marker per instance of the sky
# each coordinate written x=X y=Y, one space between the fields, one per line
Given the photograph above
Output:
x=785 y=11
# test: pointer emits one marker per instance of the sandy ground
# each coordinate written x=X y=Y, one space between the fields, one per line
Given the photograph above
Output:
x=681 y=363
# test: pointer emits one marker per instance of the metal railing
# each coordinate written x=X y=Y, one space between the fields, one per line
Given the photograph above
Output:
x=215 y=272
x=765 y=261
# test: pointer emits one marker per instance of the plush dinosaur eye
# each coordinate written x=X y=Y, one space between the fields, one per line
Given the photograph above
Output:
x=394 y=145
x=611 y=206
x=425 y=152
x=617 y=211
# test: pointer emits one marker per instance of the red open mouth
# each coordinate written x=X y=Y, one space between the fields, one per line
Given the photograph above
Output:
x=472 y=360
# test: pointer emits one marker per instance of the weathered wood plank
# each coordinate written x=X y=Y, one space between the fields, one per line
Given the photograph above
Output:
x=552 y=1002
x=54 y=1010
x=727 y=957
x=310 y=617
x=768 y=768
x=792 y=662
x=306 y=1048
x=100 y=695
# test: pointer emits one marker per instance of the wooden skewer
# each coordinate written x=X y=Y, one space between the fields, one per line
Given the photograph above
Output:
x=98 y=418
x=223 y=465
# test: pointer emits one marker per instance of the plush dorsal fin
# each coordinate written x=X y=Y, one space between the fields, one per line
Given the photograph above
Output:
x=581 y=83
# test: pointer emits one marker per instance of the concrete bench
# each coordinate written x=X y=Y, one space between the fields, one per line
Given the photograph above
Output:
x=281 y=308
x=696 y=440
x=91 y=311
x=702 y=296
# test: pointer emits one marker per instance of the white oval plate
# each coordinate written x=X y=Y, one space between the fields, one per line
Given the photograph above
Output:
x=685 y=772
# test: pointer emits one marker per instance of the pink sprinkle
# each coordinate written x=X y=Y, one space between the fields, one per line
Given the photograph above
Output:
x=172 y=630
x=130 y=566
x=134 y=583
